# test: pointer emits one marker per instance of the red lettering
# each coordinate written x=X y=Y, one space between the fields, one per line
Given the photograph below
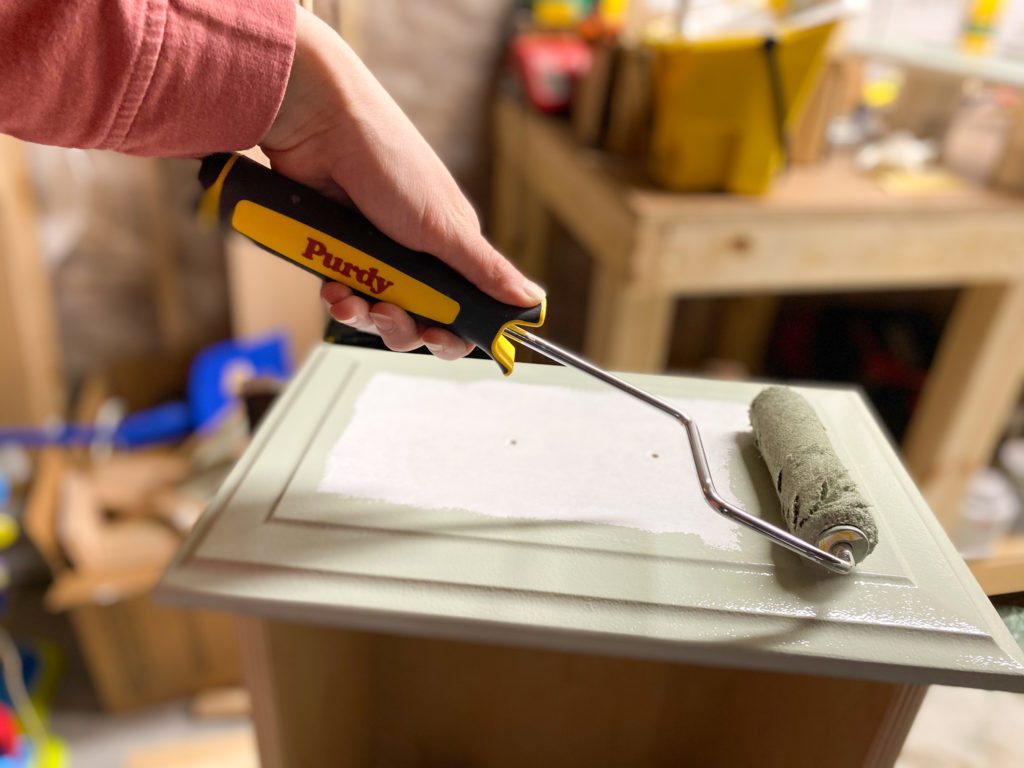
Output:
x=314 y=248
x=368 y=277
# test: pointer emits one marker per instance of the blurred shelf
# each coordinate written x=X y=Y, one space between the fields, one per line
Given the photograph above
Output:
x=1003 y=572
x=951 y=62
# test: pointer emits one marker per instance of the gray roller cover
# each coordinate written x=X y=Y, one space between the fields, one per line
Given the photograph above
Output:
x=816 y=491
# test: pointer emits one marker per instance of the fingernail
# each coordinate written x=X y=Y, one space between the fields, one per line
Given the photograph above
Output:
x=533 y=291
x=383 y=322
x=436 y=349
x=347 y=319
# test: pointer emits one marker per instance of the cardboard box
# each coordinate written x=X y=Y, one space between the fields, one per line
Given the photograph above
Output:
x=137 y=651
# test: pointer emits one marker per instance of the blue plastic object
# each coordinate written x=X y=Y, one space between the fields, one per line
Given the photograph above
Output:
x=30 y=670
x=23 y=758
x=160 y=424
x=213 y=380
x=216 y=371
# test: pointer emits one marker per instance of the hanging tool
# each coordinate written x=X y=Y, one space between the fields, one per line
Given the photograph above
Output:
x=337 y=243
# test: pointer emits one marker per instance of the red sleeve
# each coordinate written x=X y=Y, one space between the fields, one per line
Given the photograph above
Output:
x=147 y=77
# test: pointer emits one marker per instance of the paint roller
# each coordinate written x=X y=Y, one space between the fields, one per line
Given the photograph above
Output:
x=828 y=520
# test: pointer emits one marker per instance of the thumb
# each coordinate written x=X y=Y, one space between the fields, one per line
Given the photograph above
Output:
x=480 y=263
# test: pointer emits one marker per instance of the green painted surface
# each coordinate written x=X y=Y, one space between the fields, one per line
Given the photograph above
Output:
x=271 y=544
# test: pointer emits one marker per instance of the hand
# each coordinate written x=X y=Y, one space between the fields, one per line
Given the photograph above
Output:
x=339 y=132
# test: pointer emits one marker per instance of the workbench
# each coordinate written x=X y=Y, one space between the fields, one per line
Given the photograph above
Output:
x=821 y=229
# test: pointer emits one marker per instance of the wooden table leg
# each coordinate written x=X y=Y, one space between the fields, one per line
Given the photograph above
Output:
x=973 y=385
x=536 y=239
x=628 y=328
x=898 y=712
x=508 y=185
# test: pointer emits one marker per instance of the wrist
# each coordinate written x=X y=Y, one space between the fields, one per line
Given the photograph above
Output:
x=314 y=83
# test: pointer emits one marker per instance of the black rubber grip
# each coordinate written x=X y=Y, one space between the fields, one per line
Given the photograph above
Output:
x=336 y=242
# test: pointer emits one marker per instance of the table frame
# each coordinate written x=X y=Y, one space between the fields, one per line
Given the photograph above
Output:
x=822 y=229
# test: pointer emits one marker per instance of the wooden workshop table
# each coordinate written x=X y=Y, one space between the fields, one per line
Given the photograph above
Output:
x=822 y=229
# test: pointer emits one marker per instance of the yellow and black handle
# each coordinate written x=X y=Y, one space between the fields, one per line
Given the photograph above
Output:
x=337 y=243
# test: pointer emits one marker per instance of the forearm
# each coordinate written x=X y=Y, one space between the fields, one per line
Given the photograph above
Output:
x=147 y=77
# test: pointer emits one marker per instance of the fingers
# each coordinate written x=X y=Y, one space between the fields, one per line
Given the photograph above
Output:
x=346 y=307
x=397 y=329
x=445 y=345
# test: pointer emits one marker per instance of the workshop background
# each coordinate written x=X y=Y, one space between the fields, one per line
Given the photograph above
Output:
x=681 y=223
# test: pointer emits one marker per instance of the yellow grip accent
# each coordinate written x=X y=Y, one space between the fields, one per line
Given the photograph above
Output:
x=504 y=351
x=339 y=261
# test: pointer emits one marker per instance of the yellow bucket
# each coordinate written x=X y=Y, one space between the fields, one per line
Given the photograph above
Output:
x=723 y=107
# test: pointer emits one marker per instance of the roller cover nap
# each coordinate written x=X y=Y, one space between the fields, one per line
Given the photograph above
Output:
x=816 y=490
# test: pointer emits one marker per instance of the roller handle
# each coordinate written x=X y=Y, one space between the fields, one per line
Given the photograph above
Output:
x=336 y=242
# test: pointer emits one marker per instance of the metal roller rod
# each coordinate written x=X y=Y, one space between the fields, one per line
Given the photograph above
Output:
x=836 y=564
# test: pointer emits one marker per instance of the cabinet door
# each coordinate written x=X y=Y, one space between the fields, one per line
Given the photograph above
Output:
x=280 y=540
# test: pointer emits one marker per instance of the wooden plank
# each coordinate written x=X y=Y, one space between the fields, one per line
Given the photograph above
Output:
x=590 y=98
x=776 y=252
x=505 y=224
x=139 y=653
x=833 y=186
x=167 y=290
x=30 y=377
x=898 y=713
x=575 y=189
x=821 y=228
x=257 y=673
x=628 y=327
x=836 y=93
x=310 y=692
x=973 y=385
x=351 y=23
x=219 y=703
x=1003 y=572
x=40 y=519
x=235 y=749
x=629 y=120
x=421 y=701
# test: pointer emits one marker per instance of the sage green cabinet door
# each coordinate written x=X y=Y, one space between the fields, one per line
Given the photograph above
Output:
x=274 y=542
